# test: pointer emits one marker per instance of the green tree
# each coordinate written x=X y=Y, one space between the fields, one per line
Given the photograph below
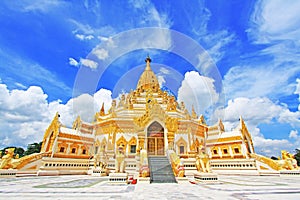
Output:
x=297 y=156
x=33 y=148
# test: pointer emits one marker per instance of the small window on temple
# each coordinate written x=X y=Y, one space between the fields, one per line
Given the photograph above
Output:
x=181 y=149
x=73 y=150
x=236 y=150
x=62 y=149
x=225 y=151
x=83 y=151
x=132 y=148
x=215 y=151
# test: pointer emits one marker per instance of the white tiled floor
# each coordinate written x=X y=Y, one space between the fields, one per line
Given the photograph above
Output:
x=87 y=187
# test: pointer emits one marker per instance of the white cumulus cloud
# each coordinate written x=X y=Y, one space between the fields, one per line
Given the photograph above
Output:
x=73 y=62
x=297 y=91
x=164 y=70
x=275 y=20
x=198 y=91
x=293 y=134
x=84 y=37
x=161 y=80
x=257 y=111
x=25 y=114
x=101 y=53
x=108 y=40
x=89 y=63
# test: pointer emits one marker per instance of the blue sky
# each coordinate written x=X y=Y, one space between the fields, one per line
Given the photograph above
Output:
x=70 y=56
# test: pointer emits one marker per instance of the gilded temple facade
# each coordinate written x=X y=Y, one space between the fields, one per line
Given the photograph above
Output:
x=147 y=122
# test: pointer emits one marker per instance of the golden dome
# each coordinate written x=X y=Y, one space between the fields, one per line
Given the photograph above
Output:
x=148 y=79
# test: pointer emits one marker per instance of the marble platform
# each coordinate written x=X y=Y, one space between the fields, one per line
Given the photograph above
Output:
x=89 y=187
x=206 y=177
x=118 y=178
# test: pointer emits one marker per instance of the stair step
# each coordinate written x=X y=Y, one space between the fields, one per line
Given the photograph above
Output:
x=161 y=170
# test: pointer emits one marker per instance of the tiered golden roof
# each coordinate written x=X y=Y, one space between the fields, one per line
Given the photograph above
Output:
x=148 y=80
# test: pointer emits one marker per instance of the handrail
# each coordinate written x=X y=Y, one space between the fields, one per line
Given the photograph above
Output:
x=31 y=158
x=177 y=166
x=268 y=161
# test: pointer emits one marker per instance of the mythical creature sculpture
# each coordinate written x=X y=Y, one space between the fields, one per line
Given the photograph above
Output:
x=179 y=168
x=172 y=104
x=7 y=161
x=288 y=161
x=177 y=165
x=120 y=160
x=101 y=160
x=113 y=107
x=202 y=162
x=122 y=102
x=144 y=170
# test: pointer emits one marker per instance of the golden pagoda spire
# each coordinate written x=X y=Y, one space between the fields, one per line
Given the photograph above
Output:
x=148 y=80
x=148 y=61
x=194 y=114
x=102 y=112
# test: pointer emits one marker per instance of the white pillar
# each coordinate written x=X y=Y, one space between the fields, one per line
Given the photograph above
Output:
x=230 y=151
x=220 y=152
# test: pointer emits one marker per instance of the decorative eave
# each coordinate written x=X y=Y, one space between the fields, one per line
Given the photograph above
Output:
x=77 y=123
x=53 y=127
x=154 y=111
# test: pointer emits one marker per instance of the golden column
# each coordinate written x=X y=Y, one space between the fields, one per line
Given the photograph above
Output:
x=172 y=126
x=141 y=140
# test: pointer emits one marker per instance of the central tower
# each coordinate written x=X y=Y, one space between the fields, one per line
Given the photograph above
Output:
x=148 y=80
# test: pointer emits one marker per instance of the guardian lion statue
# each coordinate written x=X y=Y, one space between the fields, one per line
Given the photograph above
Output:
x=120 y=161
x=202 y=163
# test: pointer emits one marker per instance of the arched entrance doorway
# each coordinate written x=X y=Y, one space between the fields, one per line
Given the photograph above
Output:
x=155 y=136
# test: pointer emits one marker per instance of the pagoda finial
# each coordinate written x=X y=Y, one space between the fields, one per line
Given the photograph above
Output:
x=194 y=114
x=148 y=61
x=102 y=112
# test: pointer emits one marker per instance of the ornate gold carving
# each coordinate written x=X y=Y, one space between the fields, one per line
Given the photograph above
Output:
x=141 y=143
x=148 y=80
x=177 y=165
x=246 y=135
x=202 y=120
x=113 y=108
x=271 y=163
x=171 y=124
x=102 y=111
x=51 y=133
x=122 y=142
x=172 y=104
x=6 y=161
x=288 y=161
x=194 y=114
x=122 y=102
x=132 y=141
x=153 y=111
x=77 y=123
